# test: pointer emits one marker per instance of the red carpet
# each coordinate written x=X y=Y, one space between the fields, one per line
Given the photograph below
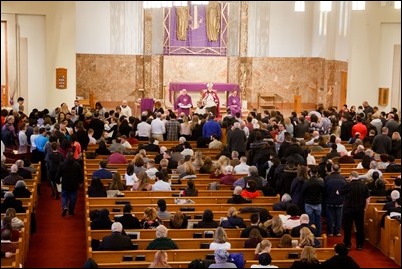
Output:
x=58 y=242
x=370 y=257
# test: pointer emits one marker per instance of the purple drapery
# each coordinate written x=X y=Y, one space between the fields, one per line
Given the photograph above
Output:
x=196 y=38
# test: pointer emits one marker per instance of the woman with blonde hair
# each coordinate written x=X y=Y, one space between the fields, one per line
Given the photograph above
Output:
x=150 y=219
x=223 y=161
x=274 y=227
x=307 y=238
x=263 y=247
x=198 y=162
x=308 y=259
x=220 y=240
x=232 y=220
x=160 y=260
x=117 y=183
x=185 y=128
x=143 y=183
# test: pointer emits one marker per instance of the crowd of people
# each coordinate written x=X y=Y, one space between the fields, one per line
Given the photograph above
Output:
x=273 y=152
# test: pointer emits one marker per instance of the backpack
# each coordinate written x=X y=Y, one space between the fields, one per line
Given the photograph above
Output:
x=237 y=259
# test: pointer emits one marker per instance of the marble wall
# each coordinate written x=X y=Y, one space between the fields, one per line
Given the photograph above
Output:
x=117 y=77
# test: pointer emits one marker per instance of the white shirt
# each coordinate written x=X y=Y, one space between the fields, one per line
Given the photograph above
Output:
x=143 y=129
x=32 y=138
x=157 y=127
x=126 y=111
x=215 y=245
x=311 y=160
x=130 y=180
x=263 y=266
x=161 y=185
x=151 y=172
x=92 y=140
x=241 y=168
x=126 y=144
x=22 y=138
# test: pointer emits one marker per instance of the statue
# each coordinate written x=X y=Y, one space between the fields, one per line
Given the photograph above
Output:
x=181 y=23
x=213 y=17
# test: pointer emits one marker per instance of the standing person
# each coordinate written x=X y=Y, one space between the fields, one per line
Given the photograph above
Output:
x=55 y=158
x=71 y=177
x=19 y=105
x=211 y=100
x=234 y=103
x=334 y=202
x=313 y=192
x=184 y=103
x=125 y=109
x=357 y=198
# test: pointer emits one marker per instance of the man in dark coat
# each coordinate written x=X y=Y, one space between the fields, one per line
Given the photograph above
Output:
x=11 y=202
x=116 y=241
x=71 y=177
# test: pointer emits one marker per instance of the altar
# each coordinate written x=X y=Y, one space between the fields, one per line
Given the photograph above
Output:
x=194 y=89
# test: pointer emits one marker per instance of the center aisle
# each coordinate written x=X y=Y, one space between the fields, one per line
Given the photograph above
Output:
x=59 y=242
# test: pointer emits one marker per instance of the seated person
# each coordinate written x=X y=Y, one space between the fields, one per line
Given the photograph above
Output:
x=10 y=202
x=178 y=221
x=232 y=220
x=254 y=224
x=394 y=210
x=150 y=220
x=304 y=222
x=250 y=192
x=292 y=218
x=161 y=212
x=341 y=259
x=307 y=238
x=161 y=183
x=308 y=259
x=228 y=178
x=162 y=241
x=221 y=259
x=20 y=190
x=6 y=244
x=264 y=261
x=237 y=198
x=116 y=241
x=286 y=201
x=102 y=222
x=128 y=220
x=6 y=225
x=220 y=240
x=190 y=190
x=254 y=239
x=102 y=172
x=96 y=189
x=207 y=220
x=274 y=227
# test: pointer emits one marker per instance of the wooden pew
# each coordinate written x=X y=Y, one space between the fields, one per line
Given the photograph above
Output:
x=397 y=246
x=191 y=254
x=190 y=243
x=12 y=262
x=177 y=207
x=388 y=233
x=374 y=226
x=173 y=200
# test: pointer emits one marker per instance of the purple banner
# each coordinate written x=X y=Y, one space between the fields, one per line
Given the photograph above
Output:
x=195 y=39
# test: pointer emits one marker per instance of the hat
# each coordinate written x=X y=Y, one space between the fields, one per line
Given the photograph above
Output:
x=221 y=255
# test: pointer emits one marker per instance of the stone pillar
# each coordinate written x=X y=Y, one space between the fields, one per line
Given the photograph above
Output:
x=147 y=71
